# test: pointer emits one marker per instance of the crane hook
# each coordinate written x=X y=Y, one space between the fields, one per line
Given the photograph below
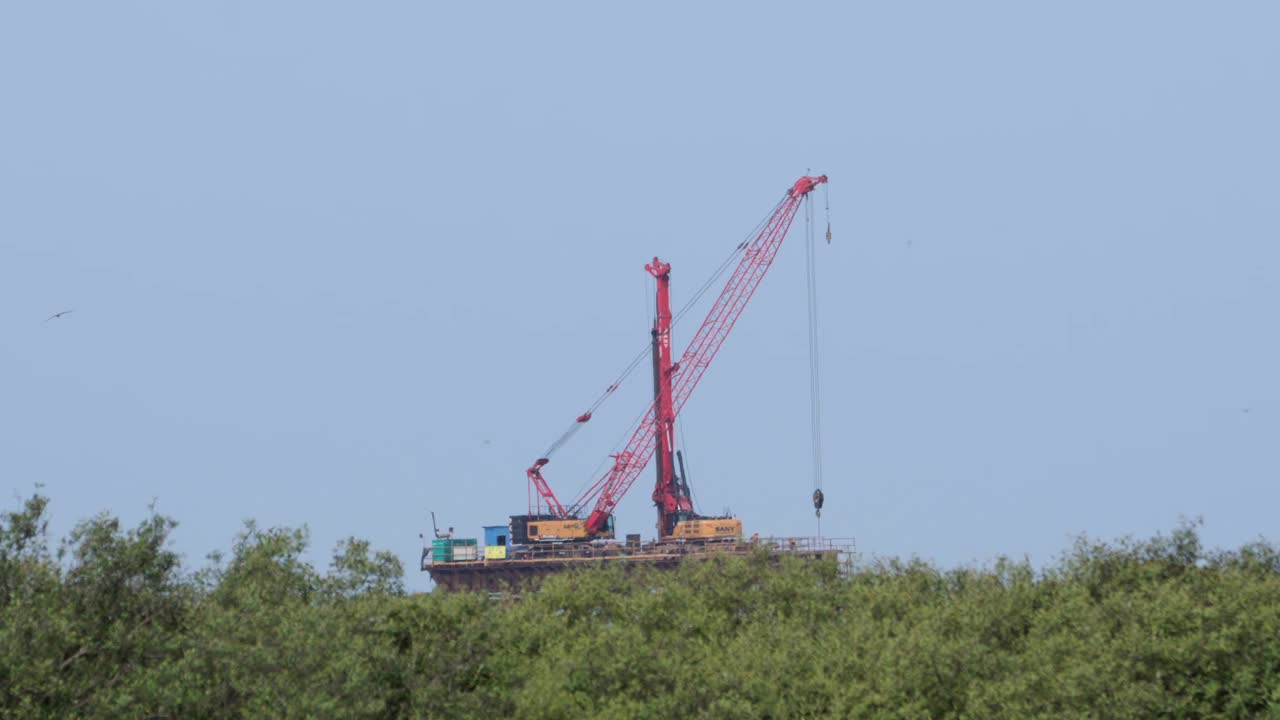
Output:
x=826 y=199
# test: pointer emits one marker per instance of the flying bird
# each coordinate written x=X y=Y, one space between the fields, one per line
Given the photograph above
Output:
x=60 y=314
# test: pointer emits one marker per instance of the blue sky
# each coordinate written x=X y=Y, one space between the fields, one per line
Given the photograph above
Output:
x=338 y=264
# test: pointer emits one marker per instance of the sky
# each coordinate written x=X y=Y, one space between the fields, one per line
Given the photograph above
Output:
x=342 y=264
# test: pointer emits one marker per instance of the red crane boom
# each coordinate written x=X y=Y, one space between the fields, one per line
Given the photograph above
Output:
x=684 y=375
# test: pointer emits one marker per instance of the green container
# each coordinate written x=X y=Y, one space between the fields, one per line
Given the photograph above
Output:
x=441 y=550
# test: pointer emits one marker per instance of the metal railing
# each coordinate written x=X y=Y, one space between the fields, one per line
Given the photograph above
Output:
x=842 y=548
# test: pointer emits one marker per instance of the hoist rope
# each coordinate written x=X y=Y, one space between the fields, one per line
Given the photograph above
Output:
x=826 y=199
x=815 y=389
x=640 y=356
x=684 y=447
x=587 y=492
x=586 y=498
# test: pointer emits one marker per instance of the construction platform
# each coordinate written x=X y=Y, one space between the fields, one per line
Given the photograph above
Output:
x=526 y=566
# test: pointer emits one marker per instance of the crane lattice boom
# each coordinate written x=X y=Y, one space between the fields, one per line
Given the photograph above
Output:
x=685 y=374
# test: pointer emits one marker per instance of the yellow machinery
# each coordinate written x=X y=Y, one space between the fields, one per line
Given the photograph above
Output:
x=551 y=530
x=708 y=529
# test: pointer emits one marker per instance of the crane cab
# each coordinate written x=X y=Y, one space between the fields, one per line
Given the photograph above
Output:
x=557 y=530
x=721 y=528
x=545 y=528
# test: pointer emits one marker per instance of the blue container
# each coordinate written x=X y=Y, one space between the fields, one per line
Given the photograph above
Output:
x=496 y=535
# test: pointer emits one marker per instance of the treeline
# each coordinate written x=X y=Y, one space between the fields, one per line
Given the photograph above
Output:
x=108 y=624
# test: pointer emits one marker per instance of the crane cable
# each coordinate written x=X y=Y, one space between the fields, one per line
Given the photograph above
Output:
x=581 y=493
x=815 y=390
x=826 y=200
x=684 y=447
x=644 y=353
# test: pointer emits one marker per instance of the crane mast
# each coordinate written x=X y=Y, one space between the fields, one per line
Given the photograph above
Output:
x=670 y=492
x=675 y=382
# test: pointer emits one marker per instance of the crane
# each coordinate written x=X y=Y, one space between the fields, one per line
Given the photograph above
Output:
x=674 y=383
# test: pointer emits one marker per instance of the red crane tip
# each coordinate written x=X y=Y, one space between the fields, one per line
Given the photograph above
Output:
x=806 y=184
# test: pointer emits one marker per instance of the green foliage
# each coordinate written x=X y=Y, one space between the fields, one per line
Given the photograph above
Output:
x=111 y=625
x=355 y=572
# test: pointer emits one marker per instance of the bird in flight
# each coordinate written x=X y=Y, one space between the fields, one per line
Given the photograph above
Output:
x=58 y=315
